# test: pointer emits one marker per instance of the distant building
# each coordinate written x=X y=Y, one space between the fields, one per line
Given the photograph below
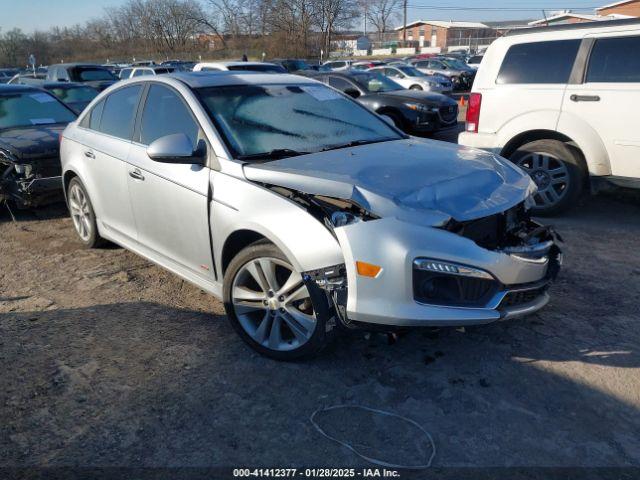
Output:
x=444 y=35
x=613 y=11
x=629 y=8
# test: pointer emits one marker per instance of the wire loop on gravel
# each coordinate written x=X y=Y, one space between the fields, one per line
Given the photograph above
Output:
x=371 y=459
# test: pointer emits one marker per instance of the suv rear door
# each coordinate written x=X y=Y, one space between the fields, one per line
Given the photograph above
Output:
x=607 y=96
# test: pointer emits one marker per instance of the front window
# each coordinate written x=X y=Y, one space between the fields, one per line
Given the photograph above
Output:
x=259 y=121
x=73 y=95
x=26 y=109
x=90 y=74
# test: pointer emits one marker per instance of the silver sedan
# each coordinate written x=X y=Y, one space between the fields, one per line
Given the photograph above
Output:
x=302 y=210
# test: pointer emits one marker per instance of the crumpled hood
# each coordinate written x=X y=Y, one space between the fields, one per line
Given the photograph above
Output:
x=421 y=181
x=28 y=144
x=420 y=95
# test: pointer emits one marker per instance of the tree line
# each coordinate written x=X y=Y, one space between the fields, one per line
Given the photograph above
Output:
x=167 y=29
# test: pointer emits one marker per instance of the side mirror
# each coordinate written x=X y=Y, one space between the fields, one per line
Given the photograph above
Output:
x=352 y=92
x=176 y=148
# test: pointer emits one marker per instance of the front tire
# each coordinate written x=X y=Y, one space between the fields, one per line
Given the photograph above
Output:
x=558 y=171
x=271 y=308
x=416 y=87
x=83 y=215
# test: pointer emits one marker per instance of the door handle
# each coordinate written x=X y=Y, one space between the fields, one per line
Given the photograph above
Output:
x=89 y=154
x=584 y=98
x=137 y=174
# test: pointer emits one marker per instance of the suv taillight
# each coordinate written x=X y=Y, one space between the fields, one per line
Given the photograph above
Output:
x=473 y=112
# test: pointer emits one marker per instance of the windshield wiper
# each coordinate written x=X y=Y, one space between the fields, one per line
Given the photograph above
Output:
x=274 y=154
x=357 y=143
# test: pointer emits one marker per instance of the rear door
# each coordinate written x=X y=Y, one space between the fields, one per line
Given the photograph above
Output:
x=170 y=201
x=609 y=97
x=106 y=136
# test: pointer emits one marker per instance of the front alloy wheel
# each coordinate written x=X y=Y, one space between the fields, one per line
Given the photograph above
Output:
x=270 y=306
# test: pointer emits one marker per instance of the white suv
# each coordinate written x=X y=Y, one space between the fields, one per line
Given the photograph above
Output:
x=563 y=103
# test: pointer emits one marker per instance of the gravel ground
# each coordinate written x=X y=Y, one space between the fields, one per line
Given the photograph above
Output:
x=109 y=360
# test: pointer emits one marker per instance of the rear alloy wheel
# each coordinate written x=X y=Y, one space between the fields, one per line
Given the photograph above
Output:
x=82 y=214
x=270 y=306
x=556 y=169
x=416 y=87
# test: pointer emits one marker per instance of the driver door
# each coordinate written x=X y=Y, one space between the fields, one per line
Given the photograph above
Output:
x=170 y=201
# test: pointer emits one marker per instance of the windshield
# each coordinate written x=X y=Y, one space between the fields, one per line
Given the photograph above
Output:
x=411 y=71
x=73 y=95
x=93 y=74
x=294 y=119
x=376 y=83
x=32 y=108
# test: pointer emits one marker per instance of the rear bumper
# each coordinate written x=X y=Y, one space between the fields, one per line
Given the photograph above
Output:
x=390 y=299
x=483 y=141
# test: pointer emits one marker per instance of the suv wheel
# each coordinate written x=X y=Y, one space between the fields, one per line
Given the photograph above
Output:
x=556 y=169
x=270 y=307
x=82 y=214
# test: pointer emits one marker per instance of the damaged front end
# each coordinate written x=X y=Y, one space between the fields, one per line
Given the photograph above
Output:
x=470 y=272
x=29 y=183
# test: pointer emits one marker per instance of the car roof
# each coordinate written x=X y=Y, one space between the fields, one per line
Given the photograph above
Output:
x=72 y=65
x=234 y=64
x=17 y=88
x=218 y=79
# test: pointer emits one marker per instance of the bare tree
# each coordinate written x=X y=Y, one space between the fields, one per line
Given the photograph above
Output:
x=381 y=14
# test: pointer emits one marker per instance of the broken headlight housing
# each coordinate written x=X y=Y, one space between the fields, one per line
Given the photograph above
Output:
x=340 y=218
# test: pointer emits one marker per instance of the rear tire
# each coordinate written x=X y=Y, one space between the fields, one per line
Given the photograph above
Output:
x=557 y=169
x=83 y=215
x=271 y=308
x=415 y=87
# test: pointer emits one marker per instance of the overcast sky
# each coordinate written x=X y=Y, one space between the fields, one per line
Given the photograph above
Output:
x=30 y=15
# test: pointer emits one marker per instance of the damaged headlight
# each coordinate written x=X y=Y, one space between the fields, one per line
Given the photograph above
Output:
x=340 y=219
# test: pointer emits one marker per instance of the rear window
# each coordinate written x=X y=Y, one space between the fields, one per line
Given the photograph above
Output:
x=539 y=62
x=615 y=60
x=119 y=112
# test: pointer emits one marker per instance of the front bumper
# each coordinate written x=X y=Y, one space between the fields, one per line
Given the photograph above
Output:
x=389 y=299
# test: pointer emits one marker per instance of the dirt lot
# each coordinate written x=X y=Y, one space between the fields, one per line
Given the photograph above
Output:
x=108 y=360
